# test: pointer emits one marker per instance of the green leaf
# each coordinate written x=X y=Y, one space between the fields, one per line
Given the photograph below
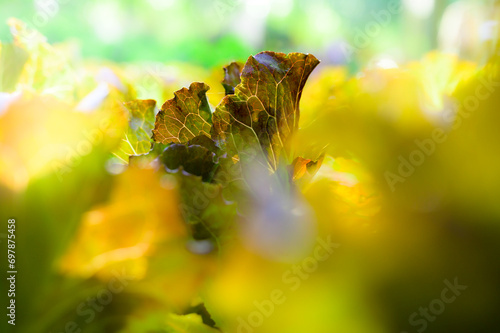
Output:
x=196 y=160
x=149 y=159
x=185 y=116
x=204 y=141
x=137 y=139
x=229 y=174
x=204 y=209
x=258 y=120
x=232 y=73
x=197 y=157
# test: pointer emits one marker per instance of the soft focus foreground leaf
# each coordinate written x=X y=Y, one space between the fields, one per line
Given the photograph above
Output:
x=185 y=116
x=49 y=151
x=378 y=115
x=473 y=140
x=48 y=214
x=351 y=189
x=44 y=145
x=324 y=88
x=232 y=73
x=137 y=138
x=264 y=111
x=138 y=203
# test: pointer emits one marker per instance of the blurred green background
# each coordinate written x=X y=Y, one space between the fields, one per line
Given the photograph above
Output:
x=211 y=33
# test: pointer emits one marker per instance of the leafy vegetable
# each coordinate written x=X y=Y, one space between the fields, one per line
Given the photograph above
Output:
x=204 y=209
x=195 y=159
x=185 y=116
x=137 y=139
x=264 y=111
x=232 y=73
